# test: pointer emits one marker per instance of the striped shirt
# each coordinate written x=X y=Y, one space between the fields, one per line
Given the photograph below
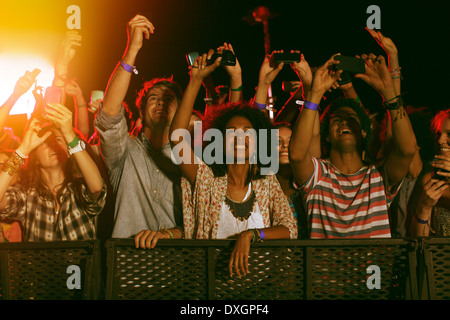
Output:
x=347 y=205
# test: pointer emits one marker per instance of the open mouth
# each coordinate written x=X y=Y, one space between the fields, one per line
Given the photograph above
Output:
x=345 y=131
x=444 y=149
x=284 y=154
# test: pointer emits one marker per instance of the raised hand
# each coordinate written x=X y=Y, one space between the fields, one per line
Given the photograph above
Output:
x=386 y=43
x=377 y=75
x=269 y=69
x=25 y=82
x=201 y=67
x=73 y=89
x=31 y=139
x=324 y=77
x=138 y=28
x=71 y=41
x=61 y=117
x=303 y=70
x=231 y=70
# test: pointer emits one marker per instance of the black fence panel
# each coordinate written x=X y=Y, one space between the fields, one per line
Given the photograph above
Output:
x=278 y=270
x=434 y=278
x=66 y=270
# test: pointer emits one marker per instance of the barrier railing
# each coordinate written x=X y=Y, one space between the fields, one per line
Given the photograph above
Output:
x=42 y=270
x=366 y=269
x=434 y=266
x=279 y=270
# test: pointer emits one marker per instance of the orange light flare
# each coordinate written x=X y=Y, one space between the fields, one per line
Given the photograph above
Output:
x=12 y=67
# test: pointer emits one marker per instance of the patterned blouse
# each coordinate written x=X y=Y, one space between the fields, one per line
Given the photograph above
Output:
x=202 y=206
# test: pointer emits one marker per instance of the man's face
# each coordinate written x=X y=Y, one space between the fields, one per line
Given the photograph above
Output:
x=160 y=108
x=345 y=129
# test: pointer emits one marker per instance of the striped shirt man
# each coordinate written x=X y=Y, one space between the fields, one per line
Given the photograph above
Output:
x=347 y=205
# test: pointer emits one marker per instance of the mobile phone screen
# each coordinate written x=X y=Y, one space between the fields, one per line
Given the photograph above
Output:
x=191 y=57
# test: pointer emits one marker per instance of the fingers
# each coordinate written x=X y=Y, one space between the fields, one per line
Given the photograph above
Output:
x=147 y=239
x=141 y=23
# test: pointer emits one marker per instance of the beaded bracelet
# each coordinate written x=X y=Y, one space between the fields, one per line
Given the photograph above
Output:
x=167 y=231
x=13 y=165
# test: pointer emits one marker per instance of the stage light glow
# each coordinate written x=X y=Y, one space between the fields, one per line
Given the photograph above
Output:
x=12 y=67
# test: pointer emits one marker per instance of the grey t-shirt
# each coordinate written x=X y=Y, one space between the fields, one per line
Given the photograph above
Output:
x=146 y=183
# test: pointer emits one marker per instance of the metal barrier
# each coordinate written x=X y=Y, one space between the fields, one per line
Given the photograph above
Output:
x=279 y=270
x=40 y=270
x=198 y=270
x=434 y=274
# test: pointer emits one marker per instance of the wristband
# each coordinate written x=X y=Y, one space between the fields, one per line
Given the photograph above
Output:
x=260 y=106
x=238 y=89
x=73 y=143
x=20 y=154
x=420 y=220
x=311 y=106
x=262 y=235
x=128 y=68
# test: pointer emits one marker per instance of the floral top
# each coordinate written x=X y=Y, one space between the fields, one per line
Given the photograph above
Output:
x=202 y=206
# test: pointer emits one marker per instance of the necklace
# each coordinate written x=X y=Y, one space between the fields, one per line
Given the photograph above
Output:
x=241 y=210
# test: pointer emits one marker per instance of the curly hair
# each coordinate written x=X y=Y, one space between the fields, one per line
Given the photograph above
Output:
x=218 y=118
x=366 y=123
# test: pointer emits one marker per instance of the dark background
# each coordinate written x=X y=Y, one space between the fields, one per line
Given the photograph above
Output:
x=319 y=29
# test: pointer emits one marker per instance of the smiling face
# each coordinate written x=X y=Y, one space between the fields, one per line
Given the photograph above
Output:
x=444 y=137
x=53 y=151
x=160 y=107
x=284 y=137
x=243 y=145
x=345 y=129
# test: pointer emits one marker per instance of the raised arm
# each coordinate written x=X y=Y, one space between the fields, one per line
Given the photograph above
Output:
x=30 y=141
x=22 y=86
x=405 y=145
x=393 y=62
x=267 y=73
x=138 y=28
x=61 y=117
x=66 y=54
x=302 y=135
x=235 y=73
x=199 y=71
x=290 y=110
x=81 y=111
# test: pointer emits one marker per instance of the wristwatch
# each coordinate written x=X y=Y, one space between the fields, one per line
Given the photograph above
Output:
x=78 y=148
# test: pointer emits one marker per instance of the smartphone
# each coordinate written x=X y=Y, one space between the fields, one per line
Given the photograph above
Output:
x=346 y=78
x=191 y=57
x=350 y=64
x=52 y=95
x=290 y=57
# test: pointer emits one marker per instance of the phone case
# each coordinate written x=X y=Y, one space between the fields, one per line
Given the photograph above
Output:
x=287 y=57
x=350 y=64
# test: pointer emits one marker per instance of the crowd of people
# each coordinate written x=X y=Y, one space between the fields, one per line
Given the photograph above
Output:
x=342 y=172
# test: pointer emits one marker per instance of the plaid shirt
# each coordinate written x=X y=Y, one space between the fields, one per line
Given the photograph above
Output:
x=75 y=221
